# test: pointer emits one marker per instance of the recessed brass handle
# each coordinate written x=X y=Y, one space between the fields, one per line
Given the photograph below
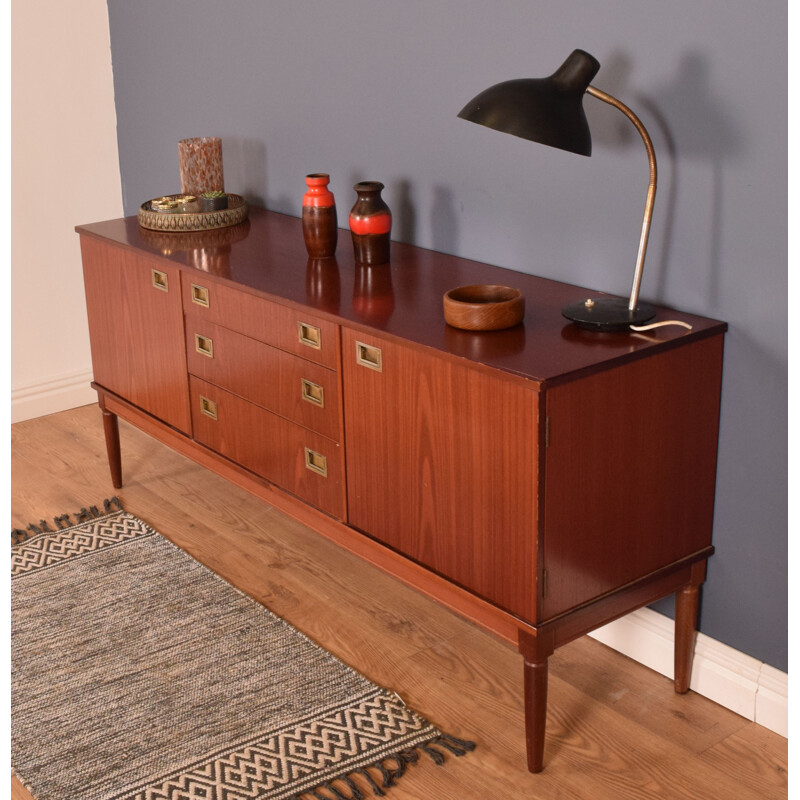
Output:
x=208 y=407
x=309 y=335
x=312 y=392
x=316 y=462
x=200 y=295
x=160 y=280
x=204 y=345
x=369 y=356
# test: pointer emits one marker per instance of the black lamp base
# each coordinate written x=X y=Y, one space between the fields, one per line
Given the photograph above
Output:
x=607 y=314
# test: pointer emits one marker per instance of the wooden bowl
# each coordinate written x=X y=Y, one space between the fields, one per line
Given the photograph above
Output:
x=483 y=307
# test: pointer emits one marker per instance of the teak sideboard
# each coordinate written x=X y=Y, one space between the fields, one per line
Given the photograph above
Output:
x=541 y=480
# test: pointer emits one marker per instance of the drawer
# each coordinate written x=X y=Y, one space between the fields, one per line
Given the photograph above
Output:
x=280 y=326
x=287 y=455
x=299 y=390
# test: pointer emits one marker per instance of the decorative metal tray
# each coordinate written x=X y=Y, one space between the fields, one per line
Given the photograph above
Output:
x=235 y=213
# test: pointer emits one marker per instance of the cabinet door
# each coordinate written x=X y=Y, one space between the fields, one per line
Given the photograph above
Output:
x=442 y=465
x=136 y=330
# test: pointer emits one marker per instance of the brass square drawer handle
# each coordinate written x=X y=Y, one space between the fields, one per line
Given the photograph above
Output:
x=208 y=407
x=200 y=295
x=369 y=356
x=160 y=280
x=312 y=392
x=204 y=345
x=309 y=335
x=316 y=462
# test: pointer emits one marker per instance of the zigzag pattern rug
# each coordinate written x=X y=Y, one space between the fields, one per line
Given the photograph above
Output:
x=139 y=674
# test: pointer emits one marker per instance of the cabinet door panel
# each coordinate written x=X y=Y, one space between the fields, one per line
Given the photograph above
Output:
x=630 y=470
x=136 y=330
x=442 y=466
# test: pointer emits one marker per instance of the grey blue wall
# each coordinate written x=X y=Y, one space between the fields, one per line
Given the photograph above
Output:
x=370 y=90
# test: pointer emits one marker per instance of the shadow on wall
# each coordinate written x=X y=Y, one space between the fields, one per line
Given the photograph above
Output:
x=687 y=124
x=444 y=220
x=702 y=129
x=404 y=213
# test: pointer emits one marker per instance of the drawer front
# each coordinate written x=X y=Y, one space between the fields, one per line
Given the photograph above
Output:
x=293 y=458
x=299 y=390
x=280 y=326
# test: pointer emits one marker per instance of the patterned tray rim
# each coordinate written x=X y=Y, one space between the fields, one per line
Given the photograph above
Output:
x=183 y=221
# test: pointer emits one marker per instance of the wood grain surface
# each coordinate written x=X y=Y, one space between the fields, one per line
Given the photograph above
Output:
x=136 y=330
x=615 y=730
x=270 y=446
x=442 y=465
x=272 y=323
x=630 y=471
x=267 y=376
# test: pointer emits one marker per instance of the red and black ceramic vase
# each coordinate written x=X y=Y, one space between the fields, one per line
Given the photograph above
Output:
x=370 y=224
x=320 y=230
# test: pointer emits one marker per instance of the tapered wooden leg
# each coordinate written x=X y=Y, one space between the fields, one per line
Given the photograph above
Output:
x=535 y=712
x=536 y=651
x=111 y=430
x=687 y=601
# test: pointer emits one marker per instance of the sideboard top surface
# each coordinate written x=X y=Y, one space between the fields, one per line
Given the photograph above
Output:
x=266 y=255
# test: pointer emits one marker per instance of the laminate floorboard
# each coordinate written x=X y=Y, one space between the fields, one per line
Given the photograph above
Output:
x=615 y=729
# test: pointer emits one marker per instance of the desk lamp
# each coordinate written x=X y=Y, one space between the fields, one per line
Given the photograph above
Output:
x=550 y=111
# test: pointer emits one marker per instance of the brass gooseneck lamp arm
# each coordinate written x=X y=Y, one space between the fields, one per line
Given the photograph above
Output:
x=651 y=188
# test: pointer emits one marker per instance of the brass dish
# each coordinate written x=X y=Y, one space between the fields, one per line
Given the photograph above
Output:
x=183 y=221
x=484 y=307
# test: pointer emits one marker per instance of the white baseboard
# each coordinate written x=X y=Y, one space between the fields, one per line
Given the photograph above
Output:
x=772 y=700
x=51 y=396
x=736 y=681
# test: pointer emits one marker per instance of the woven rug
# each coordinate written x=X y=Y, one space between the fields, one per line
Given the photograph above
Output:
x=139 y=674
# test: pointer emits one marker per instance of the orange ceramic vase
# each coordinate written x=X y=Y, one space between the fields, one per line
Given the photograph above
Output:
x=320 y=230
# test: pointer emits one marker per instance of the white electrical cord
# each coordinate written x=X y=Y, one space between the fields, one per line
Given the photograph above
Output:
x=660 y=325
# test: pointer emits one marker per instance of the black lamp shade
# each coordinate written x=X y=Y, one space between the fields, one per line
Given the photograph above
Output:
x=545 y=110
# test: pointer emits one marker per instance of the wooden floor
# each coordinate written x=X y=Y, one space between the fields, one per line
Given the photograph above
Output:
x=615 y=729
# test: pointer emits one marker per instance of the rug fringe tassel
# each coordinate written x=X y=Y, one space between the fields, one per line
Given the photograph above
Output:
x=390 y=767
x=371 y=781
x=62 y=522
x=459 y=747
